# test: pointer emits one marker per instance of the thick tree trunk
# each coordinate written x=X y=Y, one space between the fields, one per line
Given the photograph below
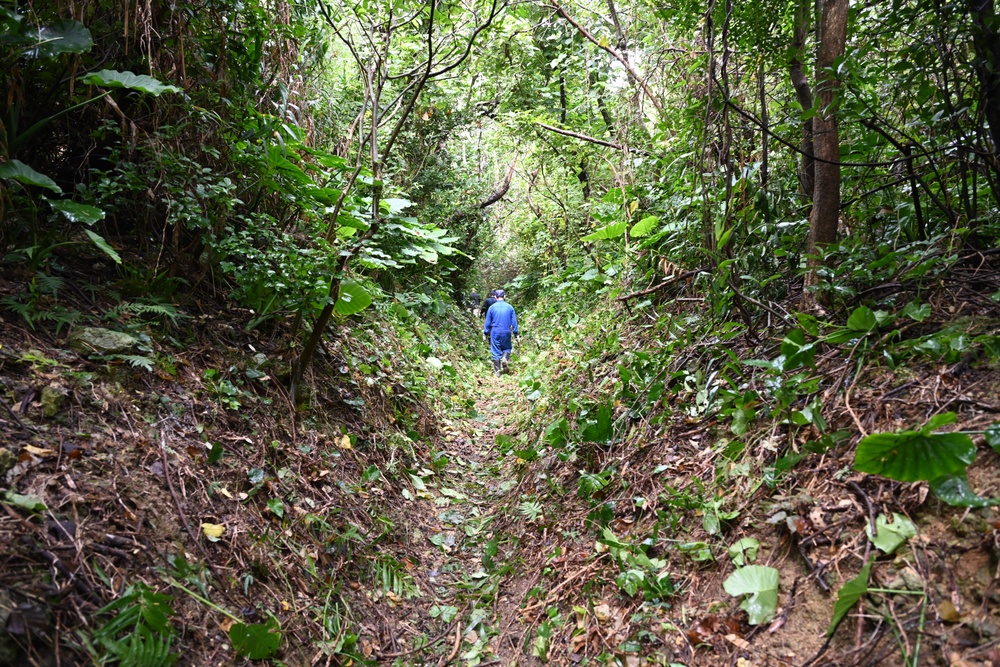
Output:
x=807 y=166
x=986 y=42
x=826 y=140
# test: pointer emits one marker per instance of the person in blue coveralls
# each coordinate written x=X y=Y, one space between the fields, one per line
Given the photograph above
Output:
x=500 y=329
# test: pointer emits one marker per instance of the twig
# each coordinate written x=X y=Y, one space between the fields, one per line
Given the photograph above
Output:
x=454 y=650
x=847 y=394
x=813 y=568
x=432 y=642
x=15 y=416
x=563 y=584
x=668 y=281
x=860 y=493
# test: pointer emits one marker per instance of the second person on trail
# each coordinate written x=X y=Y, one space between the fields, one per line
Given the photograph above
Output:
x=500 y=328
x=491 y=298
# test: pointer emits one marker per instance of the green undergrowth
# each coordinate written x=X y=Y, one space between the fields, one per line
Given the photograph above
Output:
x=289 y=511
x=685 y=443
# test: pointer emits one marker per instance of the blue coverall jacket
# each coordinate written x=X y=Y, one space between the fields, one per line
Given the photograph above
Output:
x=501 y=323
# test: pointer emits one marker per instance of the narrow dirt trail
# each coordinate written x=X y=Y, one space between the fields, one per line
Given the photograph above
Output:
x=458 y=615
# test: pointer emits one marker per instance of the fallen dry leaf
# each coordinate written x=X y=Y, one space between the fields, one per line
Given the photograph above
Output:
x=213 y=531
x=948 y=612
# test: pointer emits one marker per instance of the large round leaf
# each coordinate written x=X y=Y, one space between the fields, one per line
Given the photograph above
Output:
x=913 y=456
x=956 y=490
x=63 y=36
x=76 y=212
x=760 y=584
x=644 y=226
x=612 y=231
x=353 y=298
x=22 y=173
x=114 y=79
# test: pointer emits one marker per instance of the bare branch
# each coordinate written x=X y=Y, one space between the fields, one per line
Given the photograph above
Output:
x=614 y=53
x=501 y=188
x=594 y=140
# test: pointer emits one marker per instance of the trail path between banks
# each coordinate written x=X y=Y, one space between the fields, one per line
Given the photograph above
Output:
x=457 y=596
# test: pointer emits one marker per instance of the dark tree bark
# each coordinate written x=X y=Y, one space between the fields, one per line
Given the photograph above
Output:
x=807 y=166
x=826 y=138
x=986 y=42
x=562 y=98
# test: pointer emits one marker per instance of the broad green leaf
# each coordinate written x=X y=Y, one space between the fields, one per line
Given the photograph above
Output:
x=114 y=79
x=255 y=640
x=644 y=226
x=394 y=206
x=277 y=507
x=724 y=238
x=913 y=456
x=353 y=298
x=760 y=584
x=22 y=173
x=955 y=490
x=446 y=612
x=992 y=435
x=848 y=595
x=862 y=320
x=696 y=551
x=99 y=241
x=556 y=434
x=63 y=36
x=612 y=231
x=916 y=311
x=891 y=535
x=796 y=351
x=630 y=581
x=11 y=26
x=25 y=502
x=75 y=212
x=744 y=550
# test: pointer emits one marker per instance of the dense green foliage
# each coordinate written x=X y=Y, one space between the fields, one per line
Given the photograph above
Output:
x=645 y=142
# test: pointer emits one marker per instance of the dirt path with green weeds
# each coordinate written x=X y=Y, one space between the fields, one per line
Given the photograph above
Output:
x=452 y=600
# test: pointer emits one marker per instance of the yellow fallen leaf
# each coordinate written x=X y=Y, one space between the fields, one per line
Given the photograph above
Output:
x=38 y=451
x=345 y=442
x=224 y=491
x=213 y=531
x=285 y=606
x=948 y=612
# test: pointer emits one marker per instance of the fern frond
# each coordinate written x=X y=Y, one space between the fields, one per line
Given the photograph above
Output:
x=47 y=284
x=590 y=484
x=531 y=510
x=135 y=360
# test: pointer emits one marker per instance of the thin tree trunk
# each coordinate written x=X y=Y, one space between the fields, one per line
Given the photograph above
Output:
x=826 y=190
x=807 y=166
x=562 y=97
x=764 y=122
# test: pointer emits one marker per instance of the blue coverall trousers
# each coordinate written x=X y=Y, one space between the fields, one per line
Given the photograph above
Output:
x=500 y=342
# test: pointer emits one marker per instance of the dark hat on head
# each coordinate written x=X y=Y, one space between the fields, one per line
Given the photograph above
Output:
x=501 y=294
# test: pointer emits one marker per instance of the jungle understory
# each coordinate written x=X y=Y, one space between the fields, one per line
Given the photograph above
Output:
x=247 y=415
